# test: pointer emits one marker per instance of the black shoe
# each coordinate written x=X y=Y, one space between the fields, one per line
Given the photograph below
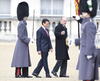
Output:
x=64 y=76
x=48 y=76
x=36 y=75
x=29 y=77
x=18 y=76
x=54 y=73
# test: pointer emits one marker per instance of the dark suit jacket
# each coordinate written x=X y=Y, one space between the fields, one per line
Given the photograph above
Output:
x=43 y=40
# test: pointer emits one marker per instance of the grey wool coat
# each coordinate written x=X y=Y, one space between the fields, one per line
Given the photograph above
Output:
x=21 y=57
x=88 y=68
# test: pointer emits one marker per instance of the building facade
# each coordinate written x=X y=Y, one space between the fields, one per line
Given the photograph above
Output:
x=39 y=9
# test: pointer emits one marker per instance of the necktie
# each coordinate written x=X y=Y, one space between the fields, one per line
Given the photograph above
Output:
x=46 y=30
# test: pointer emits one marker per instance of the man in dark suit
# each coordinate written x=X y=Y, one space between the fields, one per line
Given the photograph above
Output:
x=43 y=47
x=61 y=49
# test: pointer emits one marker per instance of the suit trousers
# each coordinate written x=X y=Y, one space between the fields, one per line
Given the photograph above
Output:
x=62 y=64
x=42 y=63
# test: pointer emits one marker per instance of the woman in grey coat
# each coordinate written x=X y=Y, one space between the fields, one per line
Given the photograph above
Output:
x=87 y=63
x=21 y=57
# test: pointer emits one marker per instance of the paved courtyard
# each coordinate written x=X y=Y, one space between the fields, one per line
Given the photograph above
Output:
x=7 y=73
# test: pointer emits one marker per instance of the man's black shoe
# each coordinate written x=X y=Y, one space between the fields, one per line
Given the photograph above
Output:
x=36 y=75
x=48 y=76
x=54 y=73
x=64 y=76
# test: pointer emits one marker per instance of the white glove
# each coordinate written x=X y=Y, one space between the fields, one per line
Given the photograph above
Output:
x=77 y=17
x=89 y=57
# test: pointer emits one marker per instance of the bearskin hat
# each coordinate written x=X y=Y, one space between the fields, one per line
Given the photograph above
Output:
x=22 y=10
x=89 y=6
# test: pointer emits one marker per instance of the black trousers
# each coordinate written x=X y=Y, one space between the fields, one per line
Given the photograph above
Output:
x=42 y=63
x=21 y=71
x=62 y=64
x=25 y=71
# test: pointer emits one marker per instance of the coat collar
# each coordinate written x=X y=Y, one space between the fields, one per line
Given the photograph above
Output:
x=86 y=20
x=61 y=25
x=44 y=28
x=24 y=22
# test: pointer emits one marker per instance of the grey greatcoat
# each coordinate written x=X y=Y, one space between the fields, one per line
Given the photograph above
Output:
x=21 y=57
x=88 y=68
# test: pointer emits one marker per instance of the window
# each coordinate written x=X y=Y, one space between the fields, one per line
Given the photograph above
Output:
x=58 y=7
x=5 y=6
x=45 y=6
x=52 y=7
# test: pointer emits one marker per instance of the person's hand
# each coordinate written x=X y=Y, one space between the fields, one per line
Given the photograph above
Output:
x=89 y=57
x=39 y=52
x=51 y=50
x=63 y=33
